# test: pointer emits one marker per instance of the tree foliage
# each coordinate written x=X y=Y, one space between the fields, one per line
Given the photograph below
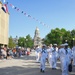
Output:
x=25 y=41
x=29 y=41
x=11 y=43
x=21 y=41
x=59 y=36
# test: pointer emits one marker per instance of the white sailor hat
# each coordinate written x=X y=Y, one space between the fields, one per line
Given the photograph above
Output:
x=55 y=44
x=43 y=45
x=66 y=44
x=62 y=45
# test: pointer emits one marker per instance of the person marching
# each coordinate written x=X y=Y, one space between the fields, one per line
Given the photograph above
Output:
x=48 y=52
x=54 y=56
x=73 y=51
x=50 y=55
x=43 y=57
x=60 y=55
x=37 y=52
x=66 y=58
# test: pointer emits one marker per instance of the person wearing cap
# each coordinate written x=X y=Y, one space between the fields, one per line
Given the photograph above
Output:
x=43 y=57
x=49 y=50
x=73 y=51
x=37 y=52
x=54 y=56
x=66 y=56
x=60 y=56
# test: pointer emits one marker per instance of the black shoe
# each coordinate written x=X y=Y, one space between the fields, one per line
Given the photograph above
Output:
x=52 y=68
x=60 y=70
x=43 y=71
x=73 y=65
x=40 y=70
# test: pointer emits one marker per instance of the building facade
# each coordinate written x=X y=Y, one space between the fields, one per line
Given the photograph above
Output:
x=4 y=24
x=37 y=39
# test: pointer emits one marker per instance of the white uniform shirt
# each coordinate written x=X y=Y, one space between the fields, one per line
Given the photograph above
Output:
x=73 y=50
x=44 y=53
x=50 y=53
x=64 y=56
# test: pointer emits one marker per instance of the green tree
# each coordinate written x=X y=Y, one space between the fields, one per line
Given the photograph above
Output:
x=21 y=41
x=54 y=37
x=59 y=36
x=28 y=41
x=73 y=33
x=73 y=37
x=67 y=38
x=25 y=41
x=11 y=44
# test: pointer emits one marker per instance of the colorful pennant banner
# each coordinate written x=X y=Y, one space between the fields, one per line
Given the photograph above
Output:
x=29 y=16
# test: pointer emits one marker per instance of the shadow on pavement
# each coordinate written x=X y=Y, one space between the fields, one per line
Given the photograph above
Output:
x=25 y=57
x=27 y=70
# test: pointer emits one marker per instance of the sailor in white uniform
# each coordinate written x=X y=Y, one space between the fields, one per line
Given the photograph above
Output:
x=54 y=56
x=66 y=58
x=73 y=51
x=43 y=57
x=60 y=56
x=37 y=52
x=50 y=55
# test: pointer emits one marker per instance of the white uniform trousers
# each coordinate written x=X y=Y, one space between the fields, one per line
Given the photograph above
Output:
x=42 y=63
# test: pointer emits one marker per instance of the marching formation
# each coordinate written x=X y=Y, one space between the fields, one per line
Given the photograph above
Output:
x=53 y=53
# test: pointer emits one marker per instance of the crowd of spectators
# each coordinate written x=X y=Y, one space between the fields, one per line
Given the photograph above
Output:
x=8 y=53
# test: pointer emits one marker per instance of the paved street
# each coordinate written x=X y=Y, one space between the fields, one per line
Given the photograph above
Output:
x=27 y=66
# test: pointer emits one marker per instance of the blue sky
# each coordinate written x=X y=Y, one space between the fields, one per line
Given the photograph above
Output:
x=54 y=13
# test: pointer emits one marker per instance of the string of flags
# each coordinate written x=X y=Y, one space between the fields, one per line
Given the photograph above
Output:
x=24 y=13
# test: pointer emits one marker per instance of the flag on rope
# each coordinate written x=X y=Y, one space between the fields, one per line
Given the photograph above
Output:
x=22 y=12
x=40 y=22
x=6 y=10
x=33 y=18
x=10 y=4
x=18 y=9
x=36 y=19
x=29 y=16
x=6 y=2
x=13 y=6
